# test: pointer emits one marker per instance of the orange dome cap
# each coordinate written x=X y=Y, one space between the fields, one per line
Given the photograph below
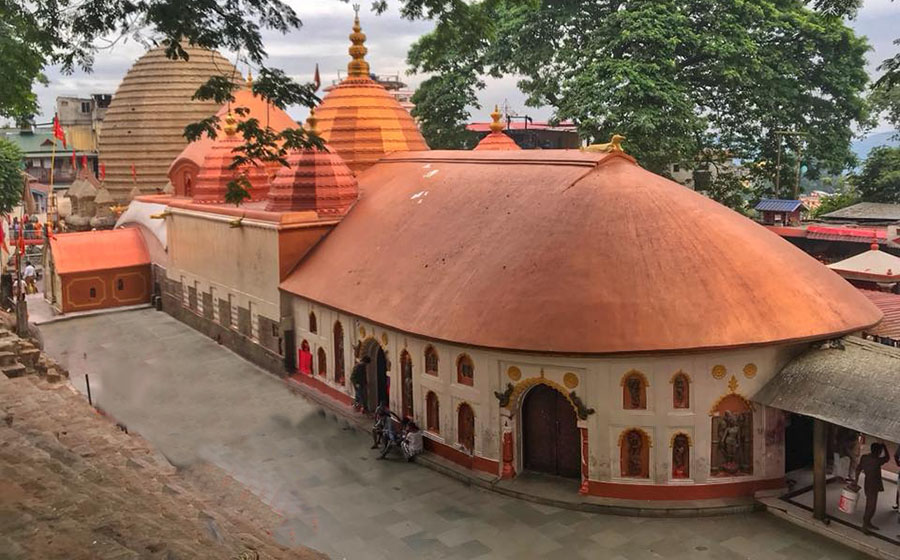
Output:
x=496 y=139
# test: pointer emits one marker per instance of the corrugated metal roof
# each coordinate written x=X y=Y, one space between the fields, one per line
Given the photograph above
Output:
x=854 y=385
x=854 y=235
x=778 y=205
x=889 y=304
x=867 y=211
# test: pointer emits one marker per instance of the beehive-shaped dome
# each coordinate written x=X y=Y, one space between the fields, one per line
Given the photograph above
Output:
x=216 y=171
x=145 y=122
x=360 y=119
x=316 y=180
x=496 y=139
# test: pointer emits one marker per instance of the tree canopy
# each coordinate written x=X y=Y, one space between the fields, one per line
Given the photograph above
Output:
x=879 y=180
x=676 y=77
x=11 y=177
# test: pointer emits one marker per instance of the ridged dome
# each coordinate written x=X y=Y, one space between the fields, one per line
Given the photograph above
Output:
x=215 y=173
x=360 y=119
x=314 y=180
x=145 y=122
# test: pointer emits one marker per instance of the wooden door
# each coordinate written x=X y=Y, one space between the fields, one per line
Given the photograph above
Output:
x=550 y=433
x=466 y=427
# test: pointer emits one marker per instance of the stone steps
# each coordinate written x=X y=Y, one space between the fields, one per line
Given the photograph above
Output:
x=14 y=370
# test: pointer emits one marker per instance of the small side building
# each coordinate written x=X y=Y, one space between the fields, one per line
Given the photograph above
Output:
x=96 y=270
x=775 y=212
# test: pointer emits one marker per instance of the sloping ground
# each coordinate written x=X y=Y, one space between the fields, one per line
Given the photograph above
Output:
x=73 y=486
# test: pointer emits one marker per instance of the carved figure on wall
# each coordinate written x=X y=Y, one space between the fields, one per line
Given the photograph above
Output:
x=730 y=440
x=732 y=452
x=582 y=410
x=635 y=451
x=635 y=387
x=681 y=457
x=504 y=396
x=680 y=392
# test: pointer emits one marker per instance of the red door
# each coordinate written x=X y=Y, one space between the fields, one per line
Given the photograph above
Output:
x=551 y=442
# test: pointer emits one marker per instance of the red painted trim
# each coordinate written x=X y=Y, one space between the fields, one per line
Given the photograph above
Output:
x=323 y=387
x=681 y=491
x=475 y=462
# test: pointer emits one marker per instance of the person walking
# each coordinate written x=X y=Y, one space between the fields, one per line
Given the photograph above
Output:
x=30 y=278
x=871 y=464
x=358 y=380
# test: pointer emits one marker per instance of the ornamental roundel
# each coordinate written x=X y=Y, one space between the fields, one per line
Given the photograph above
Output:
x=750 y=371
x=514 y=373
x=719 y=371
x=362 y=332
x=570 y=380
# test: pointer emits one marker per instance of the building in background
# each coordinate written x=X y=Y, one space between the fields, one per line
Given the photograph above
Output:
x=38 y=145
x=81 y=119
x=777 y=212
x=531 y=135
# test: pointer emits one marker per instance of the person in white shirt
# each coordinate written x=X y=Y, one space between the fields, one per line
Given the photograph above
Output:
x=30 y=278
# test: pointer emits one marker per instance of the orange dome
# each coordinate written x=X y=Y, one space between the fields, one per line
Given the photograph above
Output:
x=215 y=173
x=314 y=179
x=360 y=119
x=184 y=169
x=497 y=140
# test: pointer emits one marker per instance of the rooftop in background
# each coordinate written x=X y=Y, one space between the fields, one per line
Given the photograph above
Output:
x=889 y=304
x=871 y=266
x=778 y=205
x=565 y=126
x=866 y=212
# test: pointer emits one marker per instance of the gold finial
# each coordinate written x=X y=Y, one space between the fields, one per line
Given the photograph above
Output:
x=358 y=67
x=311 y=121
x=249 y=78
x=230 y=127
x=496 y=125
x=614 y=145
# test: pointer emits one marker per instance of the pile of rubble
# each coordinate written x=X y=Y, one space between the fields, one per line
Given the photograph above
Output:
x=74 y=485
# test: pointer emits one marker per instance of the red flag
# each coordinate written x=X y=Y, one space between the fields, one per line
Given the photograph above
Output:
x=3 y=240
x=74 y=162
x=102 y=170
x=84 y=164
x=316 y=78
x=133 y=173
x=58 y=132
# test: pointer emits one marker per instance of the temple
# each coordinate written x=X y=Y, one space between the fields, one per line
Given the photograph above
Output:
x=516 y=303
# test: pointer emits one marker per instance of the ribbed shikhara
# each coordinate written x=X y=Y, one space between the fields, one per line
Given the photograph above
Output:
x=315 y=180
x=145 y=122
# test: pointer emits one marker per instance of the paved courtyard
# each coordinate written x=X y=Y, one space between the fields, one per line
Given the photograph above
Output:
x=197 y=401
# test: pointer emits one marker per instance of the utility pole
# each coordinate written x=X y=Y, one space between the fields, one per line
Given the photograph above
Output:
x=781 y=134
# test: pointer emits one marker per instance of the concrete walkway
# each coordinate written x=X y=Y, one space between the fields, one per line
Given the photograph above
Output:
x=196 y=401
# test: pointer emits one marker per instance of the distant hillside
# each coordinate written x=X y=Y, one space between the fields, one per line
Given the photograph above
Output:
x=862 y=147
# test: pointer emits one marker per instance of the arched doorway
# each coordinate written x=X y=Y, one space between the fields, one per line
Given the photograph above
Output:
x=376 y=388
x=550 y=438
x=406 y=385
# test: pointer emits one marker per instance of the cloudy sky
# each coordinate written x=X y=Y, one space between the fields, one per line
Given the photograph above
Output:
x=323 y=40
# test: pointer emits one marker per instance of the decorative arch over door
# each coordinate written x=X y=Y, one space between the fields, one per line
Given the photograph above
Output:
x=551 y=441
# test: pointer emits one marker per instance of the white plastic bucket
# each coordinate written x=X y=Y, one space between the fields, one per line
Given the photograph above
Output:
x=847 y=503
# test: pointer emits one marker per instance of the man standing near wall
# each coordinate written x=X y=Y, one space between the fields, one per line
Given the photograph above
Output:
x=870 y=464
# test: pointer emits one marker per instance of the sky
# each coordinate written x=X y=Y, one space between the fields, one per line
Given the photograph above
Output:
x=323 y=39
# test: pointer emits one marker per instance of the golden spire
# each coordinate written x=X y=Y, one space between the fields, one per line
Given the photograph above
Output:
x=496 y=125
x=358 y=67
x=311 y=121
x=249 y=78
x=230 y=127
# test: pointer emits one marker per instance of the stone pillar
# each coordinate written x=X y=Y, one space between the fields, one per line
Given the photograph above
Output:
x=820 y=431
x=585 y=458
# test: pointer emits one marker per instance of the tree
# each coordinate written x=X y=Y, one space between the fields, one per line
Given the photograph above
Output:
x=11 y=177
x=844 y=195
x=879 y=180
x=676 y=77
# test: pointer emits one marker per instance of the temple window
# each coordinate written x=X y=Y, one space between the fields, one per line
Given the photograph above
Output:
x=681 y=391
x=338 y=353
x=634 y=391
x=681 y=456
x=313 y=327
x=634 y=453
x=732 y=437
x=465 y=427
x=431 y=360
x=93 y=292
x=120 y=284
x=465 y=370
x=323 y=362
x=432 y=413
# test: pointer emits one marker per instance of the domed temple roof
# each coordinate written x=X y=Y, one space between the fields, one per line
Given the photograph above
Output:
x=215 y=172
x=145 y=122
x=360 y=119
x=568 y=252
x=496 y=139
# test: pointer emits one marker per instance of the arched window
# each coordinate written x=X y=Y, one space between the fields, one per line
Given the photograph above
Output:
x=323 y=362
x=465 y=370
x=93 y=292
x=634 y=453
x=732 y=437
x=681 y=391
x=634 y=391
x=313 y=327
x=120 y=284
x=432 y=413
x=406 y=385
x=681 y=456
x=431 y=360
x=465 y=427
x=338 y=353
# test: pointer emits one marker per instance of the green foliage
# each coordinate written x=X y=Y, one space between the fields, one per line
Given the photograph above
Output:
x=25 y=45
x=844 y=195
x=677 y=77
x=879 y=180
x=885 y=102
x=441 y=108
x=237 y=190
x=11 y=178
